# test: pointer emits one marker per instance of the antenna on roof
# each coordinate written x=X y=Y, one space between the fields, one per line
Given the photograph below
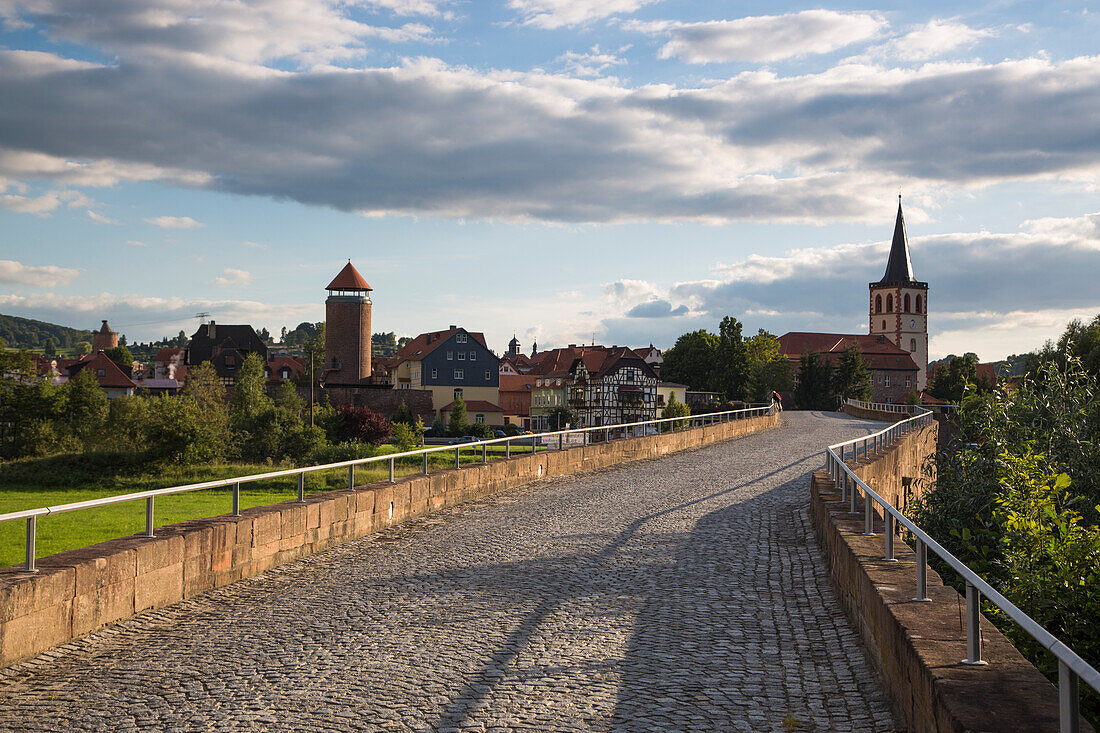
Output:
x=203 y=317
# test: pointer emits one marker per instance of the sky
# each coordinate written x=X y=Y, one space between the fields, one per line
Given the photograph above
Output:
x=570 y=171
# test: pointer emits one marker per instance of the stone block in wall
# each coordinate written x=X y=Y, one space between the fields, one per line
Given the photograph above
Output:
x=160 y=587
x=24 y=635
x=293 y=516
x=267 y=525
x=158 y=552
x=103 y=605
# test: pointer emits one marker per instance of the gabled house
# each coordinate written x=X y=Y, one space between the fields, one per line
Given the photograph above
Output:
x=515 y=398
x=226 y=347
x=449 y=364
x=893 y=371
x=113 y=378
x=612 y=386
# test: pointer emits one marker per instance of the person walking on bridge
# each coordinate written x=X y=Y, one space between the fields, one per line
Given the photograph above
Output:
x=778 y=401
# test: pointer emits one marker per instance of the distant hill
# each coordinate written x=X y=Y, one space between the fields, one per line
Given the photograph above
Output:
x=24 y=333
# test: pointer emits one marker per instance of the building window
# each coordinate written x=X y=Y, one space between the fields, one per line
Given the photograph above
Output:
x=907 y=302
x=284 y=373
x=488 y=375
x=473 y=355
x=889 y=303
x=918 y=305
x=908 y=381
x=883 y=325
x=887 y=380
x=450 y=356
x=435 y=373
x=878 y=304
x=460 y=338
x=462 y=356
x=459 y=374
x=912 y=344
x=458 y=393
x=101 y=372
x=479 y=418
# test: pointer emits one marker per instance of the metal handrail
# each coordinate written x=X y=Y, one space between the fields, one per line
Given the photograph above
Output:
x=1071 y=667
x=535 y=440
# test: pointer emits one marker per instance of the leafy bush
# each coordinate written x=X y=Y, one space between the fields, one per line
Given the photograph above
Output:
x=480 y=430
x=512 y=429
x=408 y=437
x=363 y=424
x=1016 y=498
x=346 y=451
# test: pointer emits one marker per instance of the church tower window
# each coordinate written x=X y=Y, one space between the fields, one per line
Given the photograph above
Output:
x=889 y=303
x=878 y=304
x=918 y=305
x=906 y=303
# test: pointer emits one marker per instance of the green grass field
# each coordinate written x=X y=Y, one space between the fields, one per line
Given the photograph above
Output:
x=28 y=489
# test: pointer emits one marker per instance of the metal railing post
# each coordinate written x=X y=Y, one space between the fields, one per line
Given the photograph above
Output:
x=1069 y=700
x=425 y=463
x=302 y=485
x=392 y=480
x=32 y=529
x=351 y=476
x=507 y=449
x=852 y=507
x=561 y=436
x=973 y=629
x=868 y=515
x=149 y=517
x=237 y=499
x=484 y=453
x=457 y=452
x=888 y=534
x=922 y=572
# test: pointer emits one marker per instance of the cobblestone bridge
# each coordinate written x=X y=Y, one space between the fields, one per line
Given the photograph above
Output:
x=684 y=593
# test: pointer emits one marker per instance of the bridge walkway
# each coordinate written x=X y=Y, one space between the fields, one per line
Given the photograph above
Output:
x=685 y=593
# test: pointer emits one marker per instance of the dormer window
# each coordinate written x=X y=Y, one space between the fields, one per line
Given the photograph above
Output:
x=460 y=338
x=101 y=372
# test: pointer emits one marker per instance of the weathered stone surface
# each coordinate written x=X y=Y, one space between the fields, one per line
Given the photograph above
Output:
x=670 y=595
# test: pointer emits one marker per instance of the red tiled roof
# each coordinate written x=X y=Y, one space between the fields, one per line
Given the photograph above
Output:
x=474 y=406
x=879 y=352
x=419 y=347
x=276 y=364
x=113 y=375
x=348 y=279
x=516 y=382
x=166 y=355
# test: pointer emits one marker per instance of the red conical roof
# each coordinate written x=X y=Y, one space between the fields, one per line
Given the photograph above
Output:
x=348 y=279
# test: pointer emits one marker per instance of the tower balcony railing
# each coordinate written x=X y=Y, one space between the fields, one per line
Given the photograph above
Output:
x=1071 y=667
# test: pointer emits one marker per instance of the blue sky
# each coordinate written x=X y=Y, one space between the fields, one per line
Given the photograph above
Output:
x=568 y=170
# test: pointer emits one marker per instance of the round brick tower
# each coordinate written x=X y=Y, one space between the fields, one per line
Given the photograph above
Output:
x=347 y=328
x=104 y=338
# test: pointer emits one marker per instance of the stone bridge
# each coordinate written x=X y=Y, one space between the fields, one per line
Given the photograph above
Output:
x=682 y=593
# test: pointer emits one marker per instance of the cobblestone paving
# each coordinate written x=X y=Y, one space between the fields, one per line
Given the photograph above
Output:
x=684 y=593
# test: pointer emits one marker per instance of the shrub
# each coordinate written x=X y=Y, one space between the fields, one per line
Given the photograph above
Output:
x=480 y=430
x=459 y=421
x=363 y=424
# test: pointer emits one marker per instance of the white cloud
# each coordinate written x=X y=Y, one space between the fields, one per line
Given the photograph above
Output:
x=591 y=63
x=234 y=278
x=935 y=39
x=99 y=218
x=254 y=245
x=37 y=205
x=220 y=32
x=763 y=38
x=45 y=276
x=136 y=243
x=558 y=13
x=174 y=222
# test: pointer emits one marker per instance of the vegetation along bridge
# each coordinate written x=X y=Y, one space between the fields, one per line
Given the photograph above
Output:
x=685 y=593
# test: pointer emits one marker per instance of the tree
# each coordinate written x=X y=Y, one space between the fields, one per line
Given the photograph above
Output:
x=561 y=418
x=459 y=421
x=403 y=415
x=122 y=340
x=674 y=408
x=951 y=380
x=265 y=335
x=249 y=396
x=769 y=370
x=363 y=424
x=49 y=348
x=87 y=407
x=120 y=355
x=730 y=373
x=691 y=360
x=83 y=348
x=852 y=378
x=814 y=390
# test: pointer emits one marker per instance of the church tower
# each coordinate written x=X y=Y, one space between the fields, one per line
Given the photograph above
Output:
x=347 y=328
x=899 y=303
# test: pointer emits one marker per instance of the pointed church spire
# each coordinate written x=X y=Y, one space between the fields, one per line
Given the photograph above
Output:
x=899 y=268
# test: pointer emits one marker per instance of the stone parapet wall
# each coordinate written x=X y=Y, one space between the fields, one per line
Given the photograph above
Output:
x=77 y=592
x=917 y=648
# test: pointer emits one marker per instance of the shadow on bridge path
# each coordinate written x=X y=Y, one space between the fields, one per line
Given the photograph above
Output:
x=684 y=593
